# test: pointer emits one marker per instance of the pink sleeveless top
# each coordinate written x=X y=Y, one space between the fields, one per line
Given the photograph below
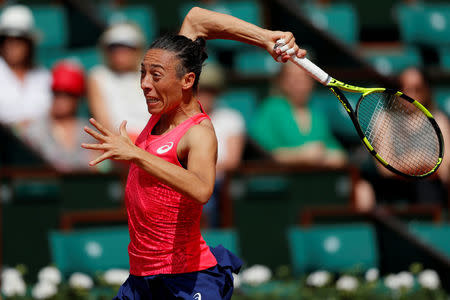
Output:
x=164 y=225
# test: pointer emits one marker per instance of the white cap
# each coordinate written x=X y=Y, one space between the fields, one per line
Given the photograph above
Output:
x=212 y=76
x=123 y=34
x=18 y=21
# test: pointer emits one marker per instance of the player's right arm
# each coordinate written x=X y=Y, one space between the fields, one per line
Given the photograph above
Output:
x=202 y=23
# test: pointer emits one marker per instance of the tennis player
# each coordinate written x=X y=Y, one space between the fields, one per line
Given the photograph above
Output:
x=172 y=165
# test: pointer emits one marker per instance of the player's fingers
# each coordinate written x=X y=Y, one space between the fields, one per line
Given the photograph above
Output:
x=95 y=146
x=301 y=53
x=95 y=134
x=292 y=50
x=123 y=129
x=101 y=158
x=100 y=127
x=288 y=45
x=278 y=44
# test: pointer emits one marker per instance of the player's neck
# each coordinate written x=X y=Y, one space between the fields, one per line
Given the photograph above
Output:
x=179 y=114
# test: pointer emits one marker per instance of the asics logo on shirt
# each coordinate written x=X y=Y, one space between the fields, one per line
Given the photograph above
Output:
x=165 y=148
x=198 y=296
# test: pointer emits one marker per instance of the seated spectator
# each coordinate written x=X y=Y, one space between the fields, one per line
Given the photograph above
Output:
x=292 y=130
x=390 y=187
x=58 y=136
x=297 y=133
x=25 y=89
x=114 y=92
x=230 y=131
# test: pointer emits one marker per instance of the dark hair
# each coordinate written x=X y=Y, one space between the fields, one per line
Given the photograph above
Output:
x=191 y=54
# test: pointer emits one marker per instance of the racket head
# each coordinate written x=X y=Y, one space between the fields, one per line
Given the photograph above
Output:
x=399 y=132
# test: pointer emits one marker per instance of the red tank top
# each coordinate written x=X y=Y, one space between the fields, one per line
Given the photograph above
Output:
x=164 y=225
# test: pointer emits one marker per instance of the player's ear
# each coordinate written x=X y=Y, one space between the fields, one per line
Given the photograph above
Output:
x=188 y=80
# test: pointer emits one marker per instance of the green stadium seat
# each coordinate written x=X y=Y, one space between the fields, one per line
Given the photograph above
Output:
x=52 y=23
x=247 y=10
x=335 y=248
x=339 y=19
x=338 y=118
x=142 y=15
x=225 y=237
x=88 y=57
x=255 y=63
x=444 y=56
x=427 y=24
x=242 y=100
x=31 y=190
x=438 y=236
x=389 y=62
x=442 y=97
x=90 y=250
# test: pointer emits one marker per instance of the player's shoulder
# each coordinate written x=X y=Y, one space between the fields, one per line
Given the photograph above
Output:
x=202 y=132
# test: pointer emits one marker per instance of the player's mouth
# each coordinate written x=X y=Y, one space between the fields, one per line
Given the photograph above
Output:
x=152 y=100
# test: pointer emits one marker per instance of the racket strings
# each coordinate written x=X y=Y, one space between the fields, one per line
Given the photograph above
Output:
x=401 y=133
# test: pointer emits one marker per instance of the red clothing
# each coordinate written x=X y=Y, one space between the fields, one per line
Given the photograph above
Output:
x=164 y=225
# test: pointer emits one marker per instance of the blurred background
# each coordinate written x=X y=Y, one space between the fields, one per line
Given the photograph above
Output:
x=297 y=196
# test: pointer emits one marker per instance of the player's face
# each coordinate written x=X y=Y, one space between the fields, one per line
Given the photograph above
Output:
x=162 y=87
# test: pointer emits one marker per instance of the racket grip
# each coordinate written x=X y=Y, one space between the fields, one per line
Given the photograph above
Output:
x=316 y=72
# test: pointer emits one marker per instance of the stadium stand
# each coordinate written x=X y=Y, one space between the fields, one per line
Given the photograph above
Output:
x=52 y=22
x=393 y=61
x=142 y=15
x=248 y=10
x=85 y=250
x=442 y=97
x=244 y=100
x=100 y=249
x=254 y=63
x=436 y=235
x=424 y=23
x=339 y=19
x=337 y=248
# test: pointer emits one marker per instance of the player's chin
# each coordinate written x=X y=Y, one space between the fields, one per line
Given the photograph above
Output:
x=155 y=108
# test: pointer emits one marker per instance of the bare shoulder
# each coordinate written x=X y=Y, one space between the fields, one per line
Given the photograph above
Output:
x=200 y=138
x=202 y=133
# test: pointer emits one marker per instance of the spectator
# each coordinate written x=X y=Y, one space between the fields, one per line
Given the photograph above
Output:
x=25 y=89
x=114 y=93
x=58 y=136
x=390 y=187
x=230 y=132
x=296 y=133
x=292 y=130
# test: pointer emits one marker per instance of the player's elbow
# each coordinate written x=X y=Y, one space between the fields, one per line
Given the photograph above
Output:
x=192 y=16
x=192 y=24
x=194 y=13
x=204 y=194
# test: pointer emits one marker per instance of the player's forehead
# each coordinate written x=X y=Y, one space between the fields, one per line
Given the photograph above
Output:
x=159 y=57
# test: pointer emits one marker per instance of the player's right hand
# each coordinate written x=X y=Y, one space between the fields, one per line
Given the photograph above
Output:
x=286 y=46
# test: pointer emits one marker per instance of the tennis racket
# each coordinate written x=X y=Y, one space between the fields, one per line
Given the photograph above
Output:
x=397 y=130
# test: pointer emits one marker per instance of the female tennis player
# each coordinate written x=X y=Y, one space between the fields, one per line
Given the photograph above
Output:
x=172 y=165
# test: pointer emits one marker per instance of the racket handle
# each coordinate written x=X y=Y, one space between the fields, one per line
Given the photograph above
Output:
x=313 y=70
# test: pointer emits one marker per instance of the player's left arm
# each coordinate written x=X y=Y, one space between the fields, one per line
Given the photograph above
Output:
x=200 y=150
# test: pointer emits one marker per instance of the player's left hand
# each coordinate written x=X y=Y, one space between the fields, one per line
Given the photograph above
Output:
x=114 y=146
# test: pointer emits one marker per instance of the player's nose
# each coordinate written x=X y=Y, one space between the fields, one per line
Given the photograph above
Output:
x=146 y=84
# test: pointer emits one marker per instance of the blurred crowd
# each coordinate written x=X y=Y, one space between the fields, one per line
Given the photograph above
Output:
x=42 y=106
